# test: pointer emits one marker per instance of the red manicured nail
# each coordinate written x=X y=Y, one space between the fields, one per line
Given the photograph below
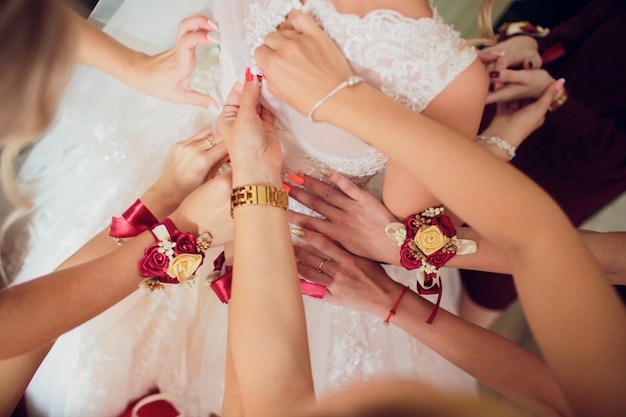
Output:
x=296 y=178
x=249 y=76
x=286 y=187
x=494 y=74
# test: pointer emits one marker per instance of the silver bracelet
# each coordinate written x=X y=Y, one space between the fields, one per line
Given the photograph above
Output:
x=352 y=80
x=500 y=143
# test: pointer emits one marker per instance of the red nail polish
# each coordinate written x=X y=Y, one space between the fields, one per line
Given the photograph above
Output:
x=286 y=187
x=494 y=74
x=249 y=76
x=296 y=178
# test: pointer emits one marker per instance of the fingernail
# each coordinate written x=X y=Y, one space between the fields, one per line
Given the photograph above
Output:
x=296 y=178
x=531 y=65
x=286 y=187
x=297 y=231
x=326 y=172
x=213 y=38
x=494 y=74
x=214 y=108
x=249 y=76
x=213 y=25
x=559 y=84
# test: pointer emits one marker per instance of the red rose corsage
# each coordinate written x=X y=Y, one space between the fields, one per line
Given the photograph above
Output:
x=173 y=259
x=427 y=242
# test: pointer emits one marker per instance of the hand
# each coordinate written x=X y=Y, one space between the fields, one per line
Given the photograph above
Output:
x=302 y=65
x=350 y=281
x=353 y=217
x=514 y=122
x=189 y=164
x=166 y=75
x=515 y=52
x=207 y=209
x=249 y=133
x=519 y=84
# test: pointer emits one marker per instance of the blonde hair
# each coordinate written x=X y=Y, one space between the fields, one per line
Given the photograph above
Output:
x=37 y=50
x=485 y=25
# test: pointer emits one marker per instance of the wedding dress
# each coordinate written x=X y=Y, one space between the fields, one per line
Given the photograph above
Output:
x=109 y=145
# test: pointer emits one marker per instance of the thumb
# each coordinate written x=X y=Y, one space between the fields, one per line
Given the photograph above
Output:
x=553 y=92
x=250 y=96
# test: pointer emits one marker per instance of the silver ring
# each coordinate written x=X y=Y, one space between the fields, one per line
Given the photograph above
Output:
x=319 y=268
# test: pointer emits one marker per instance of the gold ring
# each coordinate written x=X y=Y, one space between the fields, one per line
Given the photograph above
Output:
x=208 y=139
x=319 y=268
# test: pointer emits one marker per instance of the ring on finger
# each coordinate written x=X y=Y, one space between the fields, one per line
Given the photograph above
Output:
x=320 y=266
x=231 y=105
x=208 y=139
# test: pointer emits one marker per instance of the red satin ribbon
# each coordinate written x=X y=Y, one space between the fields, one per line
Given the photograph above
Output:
x=437 y=289
x=222 y=285
x=553 y=53
x=134 y=221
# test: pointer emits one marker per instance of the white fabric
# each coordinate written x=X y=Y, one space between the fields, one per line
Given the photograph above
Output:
x=109 y=145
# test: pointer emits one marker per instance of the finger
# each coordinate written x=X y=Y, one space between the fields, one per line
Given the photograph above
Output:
x=199 y=99
x=233 y=100
x=313 y=202
x=347 y=187
x=249 y=103
x=489 y=55
x=508 y=93
x=310 y=274
x=551 y=93
x=196 y=23
x=534 y=62
x=324 y=246
x=315 y=224
x=305 y=24
x=189 y=41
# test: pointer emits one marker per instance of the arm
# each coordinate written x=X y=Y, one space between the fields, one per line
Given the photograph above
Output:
x=543 y=254
x=40 y=310
x=459 y=107
x=266 y=309
x=356 y=219
x=507 y=368
x=165 y=75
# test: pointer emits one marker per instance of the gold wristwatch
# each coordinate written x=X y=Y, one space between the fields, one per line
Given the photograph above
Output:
x=248 y=195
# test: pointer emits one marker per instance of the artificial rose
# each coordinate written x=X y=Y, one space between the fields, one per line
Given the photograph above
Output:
x=439 y=259
x=154 y=263
x=445 y=224
x=410 y=223
x=185 y=243
x=184 y=266
x=430 y=239
x=407 y=259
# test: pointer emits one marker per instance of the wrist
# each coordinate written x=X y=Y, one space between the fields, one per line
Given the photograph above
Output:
x=255 y=173
x=159 y=202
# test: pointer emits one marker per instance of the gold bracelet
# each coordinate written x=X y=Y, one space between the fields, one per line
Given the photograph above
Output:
x=248 y=195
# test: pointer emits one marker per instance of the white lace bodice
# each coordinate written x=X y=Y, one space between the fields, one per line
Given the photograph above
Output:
x=410 y=60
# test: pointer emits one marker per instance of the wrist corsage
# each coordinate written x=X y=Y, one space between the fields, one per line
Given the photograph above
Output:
x=173 y=259
x=427 y=242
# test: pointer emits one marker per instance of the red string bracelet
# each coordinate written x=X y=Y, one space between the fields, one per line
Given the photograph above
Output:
x=392 y=312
